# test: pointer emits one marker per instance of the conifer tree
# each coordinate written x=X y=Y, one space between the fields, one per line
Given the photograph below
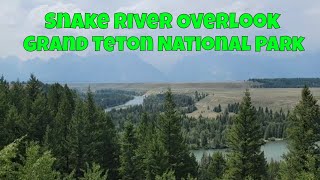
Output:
x=169 y=175
x=129 y=166
x=107 y=147
x=217 y=166
x=14 y=126
x=17 y=95
x=78 y=139
x=55 y=96
x=58 y=135
x=170 y=137
x=303 y=133
x=39 y=118
x=7 y=154
x=94 y=173
x=144 y=136
x=91 y=127
x=33 y=87
x=245 y=140
x=155 y=162
x=4 y=89
x=37 y=165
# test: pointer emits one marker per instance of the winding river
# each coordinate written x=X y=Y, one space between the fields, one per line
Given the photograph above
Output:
x=137 y=100
x=272 y=150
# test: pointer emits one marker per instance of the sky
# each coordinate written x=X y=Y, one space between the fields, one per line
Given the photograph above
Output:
x=20 y=18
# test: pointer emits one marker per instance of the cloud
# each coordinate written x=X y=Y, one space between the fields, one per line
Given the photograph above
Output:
x=19 y=18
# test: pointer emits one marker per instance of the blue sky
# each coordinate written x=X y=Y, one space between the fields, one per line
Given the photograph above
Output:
x=20 y=18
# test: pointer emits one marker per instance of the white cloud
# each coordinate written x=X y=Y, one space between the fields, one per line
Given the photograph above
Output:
x=19 y=18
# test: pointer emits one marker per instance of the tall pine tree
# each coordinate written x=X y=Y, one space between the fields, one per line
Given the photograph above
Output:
x=245 y=140
x=129 y=163
x=171 y=139
x=303 y=133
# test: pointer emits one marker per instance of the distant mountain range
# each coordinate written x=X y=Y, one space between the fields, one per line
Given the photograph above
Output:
x=129 y=68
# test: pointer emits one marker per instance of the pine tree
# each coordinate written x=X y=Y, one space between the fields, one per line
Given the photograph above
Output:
x=34 y=165
x=144 y=136
x=245 y=140
x=4 y=89
x=17 y=95
x=303 y=133
x=169 y=175
x=155 y=162
x=128 y=160
x=37 y=165
x=58 y=135
x=170 y=136
x=217 y=166
x=7 y=166
x=94 y=173
x=33 y=87
x=55 y=96
x=91 y=127
x=14 y=126
x=78 y=139
x=39 y=118
x=108 y=147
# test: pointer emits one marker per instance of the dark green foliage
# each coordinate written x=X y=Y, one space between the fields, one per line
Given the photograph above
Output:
x=234 y=108
x=94 y=173
x=34 y=164
x=156 y=103
x=76 y=139
x=217 y=109
x=170 y=137
x=59 y=131
x=245 y=140
x=273 y=170
x=212 y=167
x=145 y=135
x=286 y=82
x=303 y=133
x=198 y=96
x=217 y=166
x=128 y=159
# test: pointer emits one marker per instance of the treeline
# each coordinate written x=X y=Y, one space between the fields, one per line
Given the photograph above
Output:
x=211 y=133
x=156 y=103
x=202 y=132
x=246 y=161
x=70 y=133
x=49 y=132
x=198 y=96
x=285 y=82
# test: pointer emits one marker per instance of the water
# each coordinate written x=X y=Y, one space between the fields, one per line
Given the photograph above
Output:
x=272 y=150
x=137 y=100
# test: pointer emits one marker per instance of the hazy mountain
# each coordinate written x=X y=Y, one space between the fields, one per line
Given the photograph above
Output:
x=231 y=67
x=72 y=68
x=125 y=67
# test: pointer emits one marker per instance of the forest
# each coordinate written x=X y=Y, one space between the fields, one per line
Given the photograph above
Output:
x=49 y=131
x=285 y=82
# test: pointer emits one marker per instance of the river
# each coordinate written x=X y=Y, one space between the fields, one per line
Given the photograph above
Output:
x=272 y=150
x=137 y=100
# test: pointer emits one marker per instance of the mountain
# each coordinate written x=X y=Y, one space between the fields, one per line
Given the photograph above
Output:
x=129 y=68
x=209 y=67
x=122 y=68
